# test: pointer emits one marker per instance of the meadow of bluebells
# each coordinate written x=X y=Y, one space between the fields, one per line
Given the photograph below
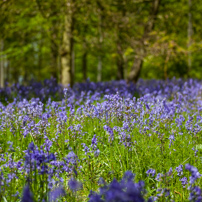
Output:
x=101 y=142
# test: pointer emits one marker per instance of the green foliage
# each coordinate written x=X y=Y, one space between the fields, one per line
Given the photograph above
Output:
x=31 y=38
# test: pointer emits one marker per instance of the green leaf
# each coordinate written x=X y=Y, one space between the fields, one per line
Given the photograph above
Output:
x=199 y=146
x=5 y=199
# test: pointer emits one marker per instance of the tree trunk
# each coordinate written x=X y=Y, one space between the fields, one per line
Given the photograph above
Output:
x=84 y=66
x=66 y=49
x=99 y=69
x=138 y=62
x=120 y=63
x=7 y=70
x=120 y=68
x=135 y=70
x=54 y=60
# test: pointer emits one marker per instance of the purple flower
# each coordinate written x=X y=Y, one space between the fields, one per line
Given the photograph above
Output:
x=31 y=146
x=184 y=181
x=56 y=193
x=96 y=152
x=65 y=92
x=167 y=192
x=163 y=192
x=151 y=171
x=179 y=170
x=50 y=157
x=159 y=176
x=71 y=154
x=74 y=185
x=125 y=190
x=72 y=158
x=194 y=173
x=169 y=173
x=195 y=194
x=171 y=138
x=128 y=175
x=95 y=197
x=86 y=149
x=110 y=131
x=94 y=142
x=195 y=151
x=27 y=195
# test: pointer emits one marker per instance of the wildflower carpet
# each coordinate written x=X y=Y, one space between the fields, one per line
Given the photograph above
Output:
x=111 y=141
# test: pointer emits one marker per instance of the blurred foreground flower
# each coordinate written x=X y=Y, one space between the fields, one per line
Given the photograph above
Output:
x=123 y=191
x=74 y=185
x=53 y=195
x=27 y=195
x=56 y=193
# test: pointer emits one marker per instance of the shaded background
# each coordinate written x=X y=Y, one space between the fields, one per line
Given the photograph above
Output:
x=100 y=40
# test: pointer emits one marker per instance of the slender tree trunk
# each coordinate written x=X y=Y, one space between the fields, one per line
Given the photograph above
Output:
x=54 y=60
x=1 y=68
x=99 y=69
x=125 y=69
x=120 y=63
x=135 y=70
x=84 y=66
x=7 y=70
x=189 y=33
x=138 y=62
x=120 y=69
x=66 y=48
